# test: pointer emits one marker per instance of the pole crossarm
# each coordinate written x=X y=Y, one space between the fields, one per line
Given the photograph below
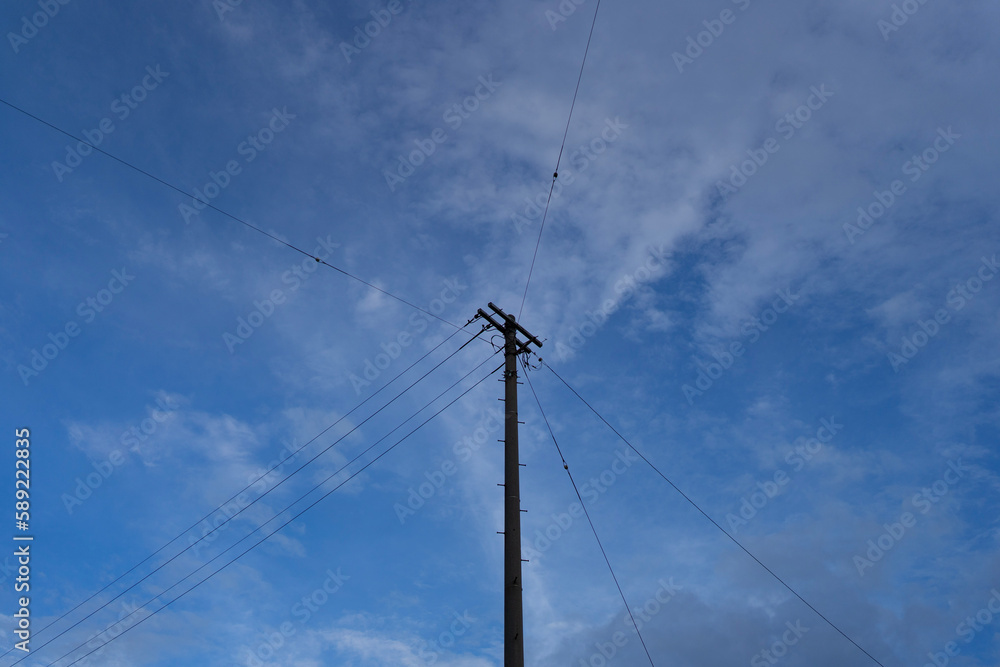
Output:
x=510 y=318
x=522 y=345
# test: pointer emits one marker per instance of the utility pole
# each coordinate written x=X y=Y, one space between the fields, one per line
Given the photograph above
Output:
x=513 y=616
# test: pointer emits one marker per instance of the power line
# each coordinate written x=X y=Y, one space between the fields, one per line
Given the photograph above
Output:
x=714 y=522
x=225 y=213
x=268 y=491
x=586 y=513
x=555 y=174
x=293 y=518
x=236 y=514
x=276 y=465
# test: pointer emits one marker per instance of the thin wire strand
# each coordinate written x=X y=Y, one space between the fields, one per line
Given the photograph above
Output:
x=293 y=518
x=714 y=522
x=555 y=174
x=586 y=513
x=276 y=465
x=226 y=213
x=233 y=516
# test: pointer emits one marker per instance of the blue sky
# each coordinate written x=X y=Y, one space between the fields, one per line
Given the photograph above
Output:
x=771 y=263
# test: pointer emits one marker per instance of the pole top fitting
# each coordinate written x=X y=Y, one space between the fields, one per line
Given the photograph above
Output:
x=511 y=321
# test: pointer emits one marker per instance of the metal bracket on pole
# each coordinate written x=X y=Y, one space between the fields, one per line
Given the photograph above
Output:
x=510 y=318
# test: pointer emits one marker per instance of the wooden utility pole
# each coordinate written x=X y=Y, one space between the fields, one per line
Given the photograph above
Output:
x=513 y=654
